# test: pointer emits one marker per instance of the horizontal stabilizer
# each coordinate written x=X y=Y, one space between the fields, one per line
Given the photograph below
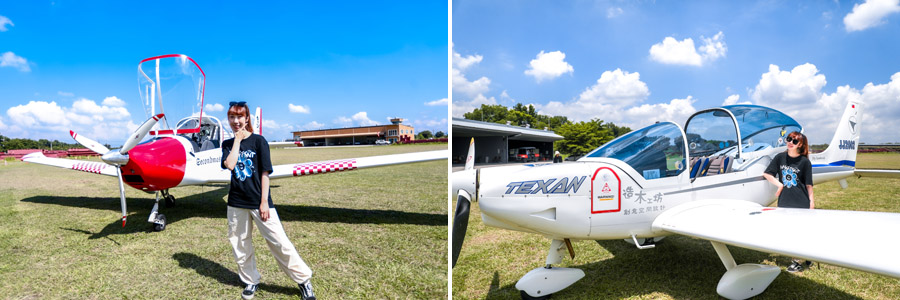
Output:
x=877 y=173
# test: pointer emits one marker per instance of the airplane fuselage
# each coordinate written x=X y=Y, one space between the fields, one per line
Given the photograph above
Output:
x=607 y=199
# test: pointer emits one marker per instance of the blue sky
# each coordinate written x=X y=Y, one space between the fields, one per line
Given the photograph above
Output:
x=337 y=65
x=637 y=62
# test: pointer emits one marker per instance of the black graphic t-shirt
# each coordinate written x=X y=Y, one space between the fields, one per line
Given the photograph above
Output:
x=246 y=178
x=796 y=174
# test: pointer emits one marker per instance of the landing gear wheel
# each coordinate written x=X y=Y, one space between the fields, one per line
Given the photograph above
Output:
x=160 y=224
x=526 y=296
x=170 y=201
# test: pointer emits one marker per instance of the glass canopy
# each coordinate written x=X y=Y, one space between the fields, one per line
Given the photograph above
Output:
x=654 y=151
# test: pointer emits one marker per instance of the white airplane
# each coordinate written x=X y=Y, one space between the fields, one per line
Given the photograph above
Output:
x=703 y=181
x=188 y=152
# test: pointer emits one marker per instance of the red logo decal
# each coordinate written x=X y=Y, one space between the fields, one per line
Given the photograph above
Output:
x=606 y=188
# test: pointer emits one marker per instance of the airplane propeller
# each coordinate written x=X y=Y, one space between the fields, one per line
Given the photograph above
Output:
x=460 y=223
x=464 y=182
x=119 y=157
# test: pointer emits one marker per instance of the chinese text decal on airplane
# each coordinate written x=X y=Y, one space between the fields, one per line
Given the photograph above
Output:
x=185 y=145
x=704 y=180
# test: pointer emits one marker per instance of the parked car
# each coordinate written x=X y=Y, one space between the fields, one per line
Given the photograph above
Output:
x=524 y=154
x=382 y=142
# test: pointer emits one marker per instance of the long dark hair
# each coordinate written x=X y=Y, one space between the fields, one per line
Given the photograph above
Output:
x=803 y=145
x=241 y=110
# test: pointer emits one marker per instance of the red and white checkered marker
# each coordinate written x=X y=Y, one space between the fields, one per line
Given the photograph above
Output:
x=324 y=167
x=92 y=167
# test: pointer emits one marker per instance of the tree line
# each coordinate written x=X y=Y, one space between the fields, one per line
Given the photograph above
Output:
x=426 y=134
x=7 y=144
x=579 y=138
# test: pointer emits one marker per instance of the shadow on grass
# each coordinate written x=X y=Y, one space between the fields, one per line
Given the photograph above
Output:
x=680 y=267
x=209 y=205
x=224 y=275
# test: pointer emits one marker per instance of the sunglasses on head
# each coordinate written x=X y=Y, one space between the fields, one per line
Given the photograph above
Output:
x=238 y=103
x=792 y=140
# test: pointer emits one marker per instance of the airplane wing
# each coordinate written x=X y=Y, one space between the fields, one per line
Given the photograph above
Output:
x=852 y=239
x=80 y=165
x=877 y=173
x=319 y=167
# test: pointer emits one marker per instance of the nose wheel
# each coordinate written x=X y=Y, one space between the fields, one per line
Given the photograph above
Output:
x=158 y=219
x=160 y=223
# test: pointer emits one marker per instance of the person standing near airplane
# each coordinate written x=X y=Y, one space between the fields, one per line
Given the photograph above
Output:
x=794 y=180
x=247 y=156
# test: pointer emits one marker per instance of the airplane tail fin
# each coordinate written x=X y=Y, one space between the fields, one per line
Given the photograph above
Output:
x=842 y=149
x=257 y=124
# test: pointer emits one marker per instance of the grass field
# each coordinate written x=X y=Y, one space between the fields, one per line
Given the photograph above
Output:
x=375 y=233
x=492 y=259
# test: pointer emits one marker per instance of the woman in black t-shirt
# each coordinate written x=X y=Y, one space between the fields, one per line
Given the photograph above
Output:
x=249 y=203
x=791 y=172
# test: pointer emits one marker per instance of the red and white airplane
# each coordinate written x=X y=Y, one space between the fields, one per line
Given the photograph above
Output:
x=187 y=152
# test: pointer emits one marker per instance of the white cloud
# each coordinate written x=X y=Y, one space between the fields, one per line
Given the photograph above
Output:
x=733 y=99
x=870 y=14
x=9 y=59
x=799 y=94
x=214 y=107
x=65 y=94
x=468 y=95
x=615 y=98
x=674 y=52
x=362 y=119
x=438 y=102
x=801 y=85
x=5 y=21
x=343 y=121
x=464 y=62
x=613 y=12
x=114 y=101
x=313 y=125
x=49 y=120
x=714 y=47
x=677 y=110
x=671 y=51
x=548 y=65
x=359 y=119
x=298 y=108
x=617 y=88
x=2 y=126
x=461 y=107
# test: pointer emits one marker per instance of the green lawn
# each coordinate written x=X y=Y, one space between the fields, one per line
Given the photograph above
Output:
x=493 y=259
x=373 y=233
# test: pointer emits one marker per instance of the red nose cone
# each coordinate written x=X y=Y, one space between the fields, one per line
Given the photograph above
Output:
x=156 y=165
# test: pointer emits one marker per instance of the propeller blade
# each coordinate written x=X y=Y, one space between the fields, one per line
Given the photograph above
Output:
x=89 y=143
x=139 y=134
x=122 y=195
x=460 y=222
x=470 y=158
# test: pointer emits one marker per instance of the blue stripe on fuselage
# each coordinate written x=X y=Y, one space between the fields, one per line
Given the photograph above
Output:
x=837 y=164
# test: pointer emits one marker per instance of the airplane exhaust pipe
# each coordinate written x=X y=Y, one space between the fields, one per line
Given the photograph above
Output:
x=460 y=223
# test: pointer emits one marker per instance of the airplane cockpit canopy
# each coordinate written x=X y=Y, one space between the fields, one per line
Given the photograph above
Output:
x=654 y=151
x=210 y=135
x=172 y=85
x=735 y=129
